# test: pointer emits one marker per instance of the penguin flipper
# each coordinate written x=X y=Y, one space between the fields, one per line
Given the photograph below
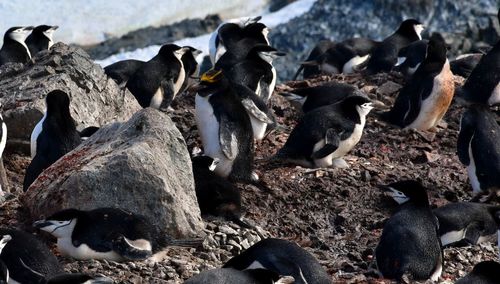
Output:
x=127 y=250
x=332 y=141
x=167 y=86
x=463 y=142
x=227 y=138
x=251 y=107
x=472 y=233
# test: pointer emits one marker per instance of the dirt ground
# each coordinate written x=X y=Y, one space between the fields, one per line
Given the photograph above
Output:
x=336 y=214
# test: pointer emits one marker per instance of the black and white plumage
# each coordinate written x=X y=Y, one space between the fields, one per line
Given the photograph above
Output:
x=311 y=70
x=410 y=243
x=283 y=257
x=107 y=233
x=231 y=276
x=425 y=98
x=4 y=271
x=191 y=67
x=323 y=136
x=478 y=149
x=485 y=272
x=54 y=136
x=224 y=126
x=385 y=55
x=3 y=140
x=464 y=64
x=122 y=70
x=466 y=223
x=411 y=56
x=14 y=49
x=41 y=38
x=158 y=81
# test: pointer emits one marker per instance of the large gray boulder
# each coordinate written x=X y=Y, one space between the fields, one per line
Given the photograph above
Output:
x=95 y=99
x=142 y=166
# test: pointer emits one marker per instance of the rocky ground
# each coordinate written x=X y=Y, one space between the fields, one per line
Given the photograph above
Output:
x=336 y=214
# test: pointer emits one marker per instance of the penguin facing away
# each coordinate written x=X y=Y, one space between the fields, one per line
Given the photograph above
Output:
x=122 y=70
x=478 y=149
x=191 y=67
x=485 y=272
x=411 y=56
x=41 y=38
x=410 y=243
x=283 y=257
x=425 y=98
x=57 y=136
x=107 y=233
x=311 y=70
x=464 y=64
x=159 y=80
x=230 y=276
x=224 y=126
x=14 y=49
x=323 y=136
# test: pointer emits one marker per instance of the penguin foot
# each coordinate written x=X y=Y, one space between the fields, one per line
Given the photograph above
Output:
x=339 y=163
x=285 y=280
x=131 y=249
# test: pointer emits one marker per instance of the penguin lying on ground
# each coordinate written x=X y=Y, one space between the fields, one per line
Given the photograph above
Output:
x=40 y=39
x=311 y=70
x=385 y=55
x=410 y=243
x=464 y=64
x=56 y=137
x=425 y=98
x=224 y=126
x=159 y=80
x=216 y=196
x=283 y=257
x=411 y=56
x=311 y=98
x=231 y=276
x=14 y=49
x=107 y=233
x=485 y=272
x=479 y=150
x=323 y=136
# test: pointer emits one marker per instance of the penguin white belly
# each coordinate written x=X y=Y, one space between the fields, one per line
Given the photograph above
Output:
x=83 y=252
x=273 y=83
x=471 y=171
x=157 y=99
x=3 y=139
x=330 y=69
x=350 y=65
x=34 y=135
x=452 y=237
x=259 y=127
x=495 y=96
x=208 y=127
x=180 y=79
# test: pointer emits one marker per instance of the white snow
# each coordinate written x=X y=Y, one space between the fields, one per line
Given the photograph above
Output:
x=201 y=42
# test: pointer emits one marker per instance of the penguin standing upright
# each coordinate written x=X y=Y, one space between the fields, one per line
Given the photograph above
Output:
x=323 y=136
x=478 y=149
x=385 y=55
x=410 y=243
x=122 y=70
x=191 y=67
x=224 y=126
x=57 y=136
x=411 y=56
x=14 y=49
x=40 y=39
x=284 y=258
x=159 y=80
x=425 y=98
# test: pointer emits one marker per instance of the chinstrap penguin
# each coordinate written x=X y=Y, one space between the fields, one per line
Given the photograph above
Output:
x=4 y=271
x=14 y=48
x=231 y=276
x=411 y=56
x=107 y=233
x=41 y=38
x=191 y=67
x=3 y=142
x=485 y=272
x=121 y=71
x=410 y=243
x=464 y=64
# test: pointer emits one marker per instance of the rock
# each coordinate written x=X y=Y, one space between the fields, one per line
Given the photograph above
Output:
x=389 y=88
x=95 y=100
x=142 y=166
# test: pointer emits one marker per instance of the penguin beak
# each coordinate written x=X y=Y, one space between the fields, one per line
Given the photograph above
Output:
x=54 y=28
x=5 y=239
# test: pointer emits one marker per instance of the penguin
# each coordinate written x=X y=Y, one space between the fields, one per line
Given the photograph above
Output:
x=121 y=71
x=159 y=80
x=425 y=98
x=283 y=257
x=224 y=126
x=4 y=271
x=3 y=141
x=478 y=149
x=230 y=276
x=311 y=70
x=410 y=57
x=216 y=196
x=410 y=243
x=107 y=233
x=56 y=137
x=464 y=64
x=75 y=278
x=311 y=98
x=483 y=84
x=324 y=135
x=87 y=132
x=14 y=49
x=485 y=272
x=384 y=55
x=191 y=67
x=40 y=39
x=466 y=222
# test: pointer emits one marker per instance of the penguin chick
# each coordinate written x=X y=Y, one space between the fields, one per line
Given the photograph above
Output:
x=425 y=98
x=311 y=98
x=224 y=126
x=216 y=196
x=478 y=149
x=14 y=49
x=323 y=136
x=464 y=64
x=410 y=243
x=385 y=55
x=121 y=71
x=40 y=39
x=283 y=257
x=411 y=56
x=107 y=233
x=485 y=272
x=230 y=276
x=57 y=136
x=159 y=80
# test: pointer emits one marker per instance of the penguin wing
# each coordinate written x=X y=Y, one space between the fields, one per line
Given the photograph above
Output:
x=463 y=142
x=227 y=137
x=251 y=107
x=167 y=85
x=253 y=104
x=332 y=141
x=127 y=249
x=415 y=94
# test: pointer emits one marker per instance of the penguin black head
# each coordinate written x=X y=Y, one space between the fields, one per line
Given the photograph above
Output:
x=205 y=162
x=227 y=31
x=18 y=34
x=411 y=28
x=436 y=48
x=57 y=101
x=3 y=241
x=60 y=224
x=407 y=191
x=255 y=30
x=45 y=30
x=360 y=104
x=168 y=49
x=210 y=82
